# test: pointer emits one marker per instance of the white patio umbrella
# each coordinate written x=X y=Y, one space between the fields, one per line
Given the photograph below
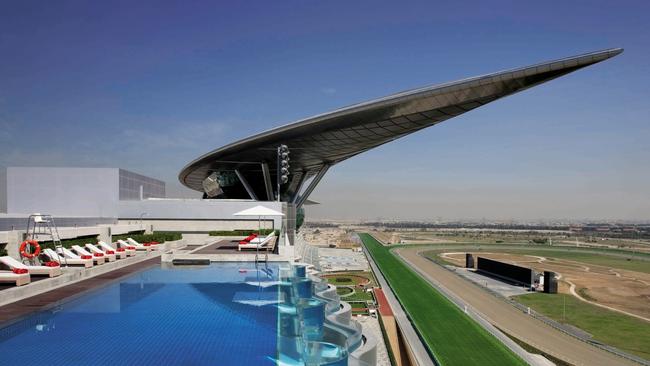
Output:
x=259 y=211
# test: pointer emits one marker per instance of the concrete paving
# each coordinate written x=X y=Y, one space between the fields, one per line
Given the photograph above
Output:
x=511 y=320
x=335 y=260
x=500 y=287
x=72 y=275
x=371 y=326
x=52 y=295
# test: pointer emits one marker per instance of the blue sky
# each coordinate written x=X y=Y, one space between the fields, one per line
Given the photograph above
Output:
x=148 y=86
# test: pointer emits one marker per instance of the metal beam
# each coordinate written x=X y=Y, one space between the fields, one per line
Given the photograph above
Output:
x=310 y=188
x=296 y=186
x=247 y=186
x=267 y=181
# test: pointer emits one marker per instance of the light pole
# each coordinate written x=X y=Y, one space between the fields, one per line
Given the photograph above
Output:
x=142 y=215
x=283 y=167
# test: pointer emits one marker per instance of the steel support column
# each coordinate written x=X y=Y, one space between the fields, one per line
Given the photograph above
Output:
x=295 y=187
x=267 y=181
x=312 y=185
x=247 y=186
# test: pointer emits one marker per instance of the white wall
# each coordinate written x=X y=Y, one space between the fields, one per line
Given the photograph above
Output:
x=3 y=189
x=63 y=191
x=201 y=226
x=198 y=214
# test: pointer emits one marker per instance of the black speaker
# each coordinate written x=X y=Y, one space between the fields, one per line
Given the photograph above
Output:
x=469 y=260
x=550 y=282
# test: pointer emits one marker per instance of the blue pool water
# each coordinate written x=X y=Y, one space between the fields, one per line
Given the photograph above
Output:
x=215 y=315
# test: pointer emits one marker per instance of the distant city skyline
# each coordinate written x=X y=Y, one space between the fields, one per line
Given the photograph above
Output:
x=150 y=86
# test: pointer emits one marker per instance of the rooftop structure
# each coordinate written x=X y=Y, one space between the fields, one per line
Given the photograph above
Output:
x=73 y=191
x=246 y=168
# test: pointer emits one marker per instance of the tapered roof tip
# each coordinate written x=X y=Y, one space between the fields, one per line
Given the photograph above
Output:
x=329 y=138
x=617 y=51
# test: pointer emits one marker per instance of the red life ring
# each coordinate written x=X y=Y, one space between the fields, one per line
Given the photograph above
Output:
x=23 y=247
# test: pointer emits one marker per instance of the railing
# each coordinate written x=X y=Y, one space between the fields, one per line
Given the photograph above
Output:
x=555 y=324
x=307 y=252
x=343 y=330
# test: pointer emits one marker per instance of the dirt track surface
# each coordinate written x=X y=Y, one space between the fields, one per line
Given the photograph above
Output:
x=513 y=321
x=622 y=290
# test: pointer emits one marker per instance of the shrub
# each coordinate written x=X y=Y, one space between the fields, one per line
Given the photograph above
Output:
x=159 y=236
x=138 y=236
x=242 y=232
x=131 y=234
x=341 y=280
x=67 y=243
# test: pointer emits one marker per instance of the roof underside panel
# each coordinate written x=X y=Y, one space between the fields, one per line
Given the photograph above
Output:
x=333 y=137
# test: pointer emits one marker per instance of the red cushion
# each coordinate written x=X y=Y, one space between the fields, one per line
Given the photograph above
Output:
x=130 y=248
x=51 y=264
x=86 y=257
x=19 y=270
x=121 y=249
x=153 y=242
x=110 y=252
x=249 y=238
x=98 y=255
x=146 y=244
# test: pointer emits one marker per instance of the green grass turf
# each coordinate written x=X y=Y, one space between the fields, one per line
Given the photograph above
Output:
x=359 y=295
x=349 y=278
x=344 y=290
x=450 y=335
x=602 y=258
x=341 y=280
x=621 y=331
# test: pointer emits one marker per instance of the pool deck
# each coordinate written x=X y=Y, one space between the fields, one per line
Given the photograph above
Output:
x=226 y=250
x=20 y=308
x=224 y=246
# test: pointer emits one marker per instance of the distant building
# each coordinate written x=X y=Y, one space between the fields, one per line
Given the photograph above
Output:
x=65 y=191
x=81 y=197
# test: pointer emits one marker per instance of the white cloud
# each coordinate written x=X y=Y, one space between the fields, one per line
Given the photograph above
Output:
x=180 y=135
x=6 y=130
x=328 y=90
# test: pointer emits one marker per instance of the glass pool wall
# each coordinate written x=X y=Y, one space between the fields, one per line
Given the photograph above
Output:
x=313 y=326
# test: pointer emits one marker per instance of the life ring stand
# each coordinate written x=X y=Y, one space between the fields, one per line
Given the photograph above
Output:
x=23 y=249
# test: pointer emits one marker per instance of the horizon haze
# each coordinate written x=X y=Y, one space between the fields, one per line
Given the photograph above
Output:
x=150 y=86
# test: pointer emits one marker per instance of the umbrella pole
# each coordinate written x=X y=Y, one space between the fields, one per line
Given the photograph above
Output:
x=259 y=235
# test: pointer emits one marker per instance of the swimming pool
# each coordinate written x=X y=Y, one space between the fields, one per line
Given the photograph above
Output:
x=222 y=314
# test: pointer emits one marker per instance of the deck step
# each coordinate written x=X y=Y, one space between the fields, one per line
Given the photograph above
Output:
x=191 y=262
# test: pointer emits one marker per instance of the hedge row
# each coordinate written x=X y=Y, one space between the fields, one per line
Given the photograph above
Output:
x=160 y=237
x=67 y=243
x=242 y=232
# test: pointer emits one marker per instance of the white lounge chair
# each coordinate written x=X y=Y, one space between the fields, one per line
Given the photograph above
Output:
x=265 y=243
x=121 y=252
x=98 y=258
x=62 y=259
x=133 y=242
x=110 y=255
x=12 y=263
x=18 y=279
x=259 y=240
x=139 y=246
